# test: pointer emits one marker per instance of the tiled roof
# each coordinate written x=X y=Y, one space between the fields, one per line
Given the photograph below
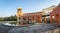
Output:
x=35 y=13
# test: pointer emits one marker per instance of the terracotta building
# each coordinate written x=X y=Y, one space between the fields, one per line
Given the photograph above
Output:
x=55 y=14
x=35 y=16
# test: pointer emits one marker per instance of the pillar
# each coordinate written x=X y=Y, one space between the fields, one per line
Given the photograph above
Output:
x=17 y=20
x=32 y=19
x=45 y=19
x=38 y=19
x=26 y=20
x=58 y=19
x=50 y=19
x=22 y=22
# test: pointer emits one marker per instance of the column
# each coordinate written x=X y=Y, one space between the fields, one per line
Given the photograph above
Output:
x=26 y=20
x=50 y=19
x=59 y=20
x=39 y=19
x=45 y=19
x=17 y=20
x=32 y=19
x=22 y=22
x=56 y=18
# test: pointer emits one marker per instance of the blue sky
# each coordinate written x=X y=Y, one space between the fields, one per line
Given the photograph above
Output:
x=9 y=7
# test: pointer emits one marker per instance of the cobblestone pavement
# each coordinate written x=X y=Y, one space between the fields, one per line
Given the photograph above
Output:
x=30 y=29
x=4 y=29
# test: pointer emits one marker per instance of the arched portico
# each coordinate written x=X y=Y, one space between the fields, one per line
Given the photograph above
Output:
x=34 y=18
x=37 y=18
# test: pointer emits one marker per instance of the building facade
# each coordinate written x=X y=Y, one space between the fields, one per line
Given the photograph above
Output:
x=35 y=16
x=55 y=14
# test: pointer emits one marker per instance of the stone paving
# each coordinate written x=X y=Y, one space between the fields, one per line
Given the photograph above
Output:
x=33 y=29
x=37 y=28
x=4 y=29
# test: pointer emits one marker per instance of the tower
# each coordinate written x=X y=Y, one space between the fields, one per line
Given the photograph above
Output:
x=19 y=14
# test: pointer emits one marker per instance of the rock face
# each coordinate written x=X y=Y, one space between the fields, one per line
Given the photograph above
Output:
x=37 y=28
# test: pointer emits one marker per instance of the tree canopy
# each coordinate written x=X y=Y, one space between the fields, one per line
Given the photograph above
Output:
x=10 y=18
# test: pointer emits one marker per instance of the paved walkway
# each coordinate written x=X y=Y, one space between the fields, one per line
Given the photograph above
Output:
x=29 y=29
x=4 y=29
x=37 y=28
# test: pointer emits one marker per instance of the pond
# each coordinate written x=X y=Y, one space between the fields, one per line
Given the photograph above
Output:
x=14 y=23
